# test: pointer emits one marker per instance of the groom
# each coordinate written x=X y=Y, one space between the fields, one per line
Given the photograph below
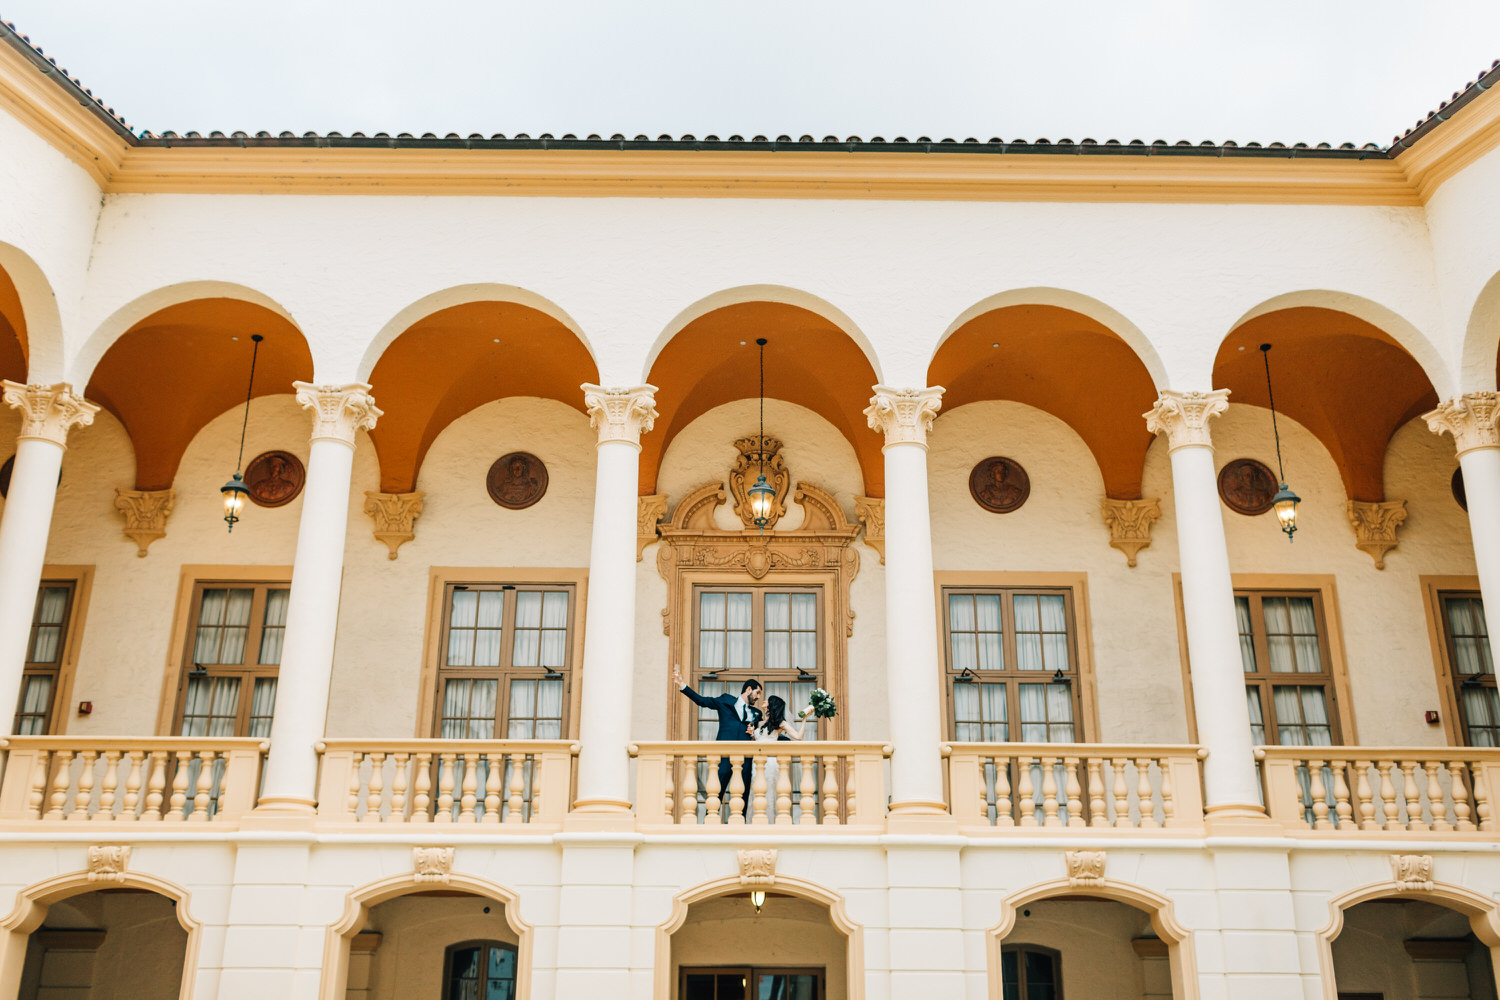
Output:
x=737 y=716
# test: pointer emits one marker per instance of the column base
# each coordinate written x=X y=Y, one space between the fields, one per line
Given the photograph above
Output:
x=1239 y=819
x=600 y=815
x=920 y=816
x=281 y=814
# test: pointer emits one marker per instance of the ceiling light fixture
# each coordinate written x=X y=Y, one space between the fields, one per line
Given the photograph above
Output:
x=235 y=491
x=1285 y=501
x=761 y=495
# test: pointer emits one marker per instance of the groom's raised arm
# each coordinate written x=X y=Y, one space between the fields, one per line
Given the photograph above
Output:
x=694 y=696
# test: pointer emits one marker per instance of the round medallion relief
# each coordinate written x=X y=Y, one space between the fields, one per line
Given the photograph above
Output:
x=999 y=485
x=1457 y=485
x=274 y=478
x=1247 y=486
x=516 y=481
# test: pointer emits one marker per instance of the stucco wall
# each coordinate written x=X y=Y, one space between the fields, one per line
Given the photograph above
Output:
x=415 y=933
x=788 y=932
x=1094 y=941
x=141 y=957
x=1369 y=955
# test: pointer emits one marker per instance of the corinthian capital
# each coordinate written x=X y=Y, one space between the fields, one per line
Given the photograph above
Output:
x=338 y=410
x=620 y=414
x=1473 y=419
x=47 y=411
x=904 y=416
x=1183 y=416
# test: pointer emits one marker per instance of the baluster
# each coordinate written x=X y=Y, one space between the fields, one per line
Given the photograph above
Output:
x=1168 y=805
x=1461 y=813
x=1122 y=793
x=62 y=777
x=1026 y=792
x=517 y=803
x=1413 y=796
x=851 y=790
x=669 y=789
x=1364 y=796
x=758 y=792
x=1074 y=792
x=1003 y=806
x=132 y=799
x=399 y=781
x=784 y=790
x=1096 y=794
x=1319 y=792
x=737 y=790
x=376 y=797
x=1341 y=808
x=714 y=813
x=495 y=765
x=351 y=796
x=831 y=791
x=1388 y=795
x=1049 y=792
x=808 y=791
x=1435 y=801
x=422 y=790
x=36 y=796
x=1481 y=798
x=688 y=808
x=534 y=808
x=106 y=810
x=1143 y=797
x=155 y=785
x=470 y=786
x=85 y=793
x=445 y=788
x=177 y=810
x=205 y=787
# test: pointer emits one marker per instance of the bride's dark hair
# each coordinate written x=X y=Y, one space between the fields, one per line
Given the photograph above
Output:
x=775 y=714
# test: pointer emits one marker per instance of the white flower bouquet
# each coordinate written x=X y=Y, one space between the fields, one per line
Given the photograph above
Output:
x=822 y=706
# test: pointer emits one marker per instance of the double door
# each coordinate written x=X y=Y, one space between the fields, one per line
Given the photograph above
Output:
x=750 y=983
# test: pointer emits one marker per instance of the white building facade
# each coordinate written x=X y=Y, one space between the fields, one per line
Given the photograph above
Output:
x=410 y=728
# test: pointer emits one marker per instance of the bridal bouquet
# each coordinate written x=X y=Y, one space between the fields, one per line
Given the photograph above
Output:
x=822 y=706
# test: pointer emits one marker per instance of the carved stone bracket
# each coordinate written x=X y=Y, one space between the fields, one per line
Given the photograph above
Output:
x=432 y=864
x=338 y=410
x=1085 y=867
x=1375 y=526
x=395 y=516
x=758 y=867
x=1473 y=419
x=759 y=456
x=107 y=862
x=1130 y=523
x=871 y=513
x=145 y=513
x=48 y=411
x=649 y=510
x=1411 y=872
x=1183 y=416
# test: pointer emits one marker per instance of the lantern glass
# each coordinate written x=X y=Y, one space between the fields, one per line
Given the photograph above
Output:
x=757 y=900
x=761 y=497
x=234 y=493
x=1285 y=503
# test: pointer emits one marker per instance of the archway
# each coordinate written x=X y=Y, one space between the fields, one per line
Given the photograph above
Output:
x=12 y=331
x=29 y=315
x=802 y=928
x=1481 y=354
x=1103 y=932
x=395 y=935
x=119 y=925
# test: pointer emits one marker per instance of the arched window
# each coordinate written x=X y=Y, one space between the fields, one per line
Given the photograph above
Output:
x=480 y=970
x=1029 y=972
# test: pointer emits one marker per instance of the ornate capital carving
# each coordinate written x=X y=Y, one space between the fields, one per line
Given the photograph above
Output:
x=1085 y=867
x=870 y=511
x=395 y=517
x=338 y=410
x=432 y=864
x=107 y=862
x=620 y=414
x=48 y=411
x=145 y=513
x=1183 y=416
x=649 y=511
x=1473 y=419
x=759 y=456
x=904 y=416
x=1411 y=871
x=1130 y=523
x=1375 y=526
x=758 y=867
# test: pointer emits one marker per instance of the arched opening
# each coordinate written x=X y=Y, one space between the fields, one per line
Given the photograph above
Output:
x=1407 y=948
x=1349 y=382
x=1061 y=361
x=12 y=331
x=811 y=361
x=453 y=936
x=29 y=308
x=452 y=361
x=1481 y=358
x=178 y=368
x=799 y=946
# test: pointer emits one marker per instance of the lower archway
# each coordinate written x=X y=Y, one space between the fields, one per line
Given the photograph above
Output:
x=799 y=944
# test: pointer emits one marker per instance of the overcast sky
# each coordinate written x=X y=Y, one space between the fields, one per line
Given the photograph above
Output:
x=1249 y=70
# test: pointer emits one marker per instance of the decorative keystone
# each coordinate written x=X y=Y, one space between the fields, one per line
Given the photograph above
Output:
x=145 y=513
x=1183 y=416
x=1085 y=867
x=1129 y=523
x=395 y=516
x=48 y=411
x=1473 y=419
x=107 y=863
x=432 y=864
x=758 y=867
x=338 y=410
x=620 y=414
x=904 y=416
x=1375 y=526
x=649 y=511
x=1411 y=872
x=871 y=513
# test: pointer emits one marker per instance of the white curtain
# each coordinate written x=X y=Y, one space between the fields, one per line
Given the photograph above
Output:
x=737 y=620
x=711 y=631
x=34 y=701
x=1302 y=716
x=262 y=705
x=1480 y=706
x=778 y=635
x=1247 y=637
x=489 y=617
x=47 y=642
x=1257 y=718
x=1471 y=650
x=274 y=632
x=469 y=709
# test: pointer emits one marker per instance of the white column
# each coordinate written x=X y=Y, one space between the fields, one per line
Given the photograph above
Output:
x=1218 y=675
x=312 y=610
x=619 y=416
x=47 y=411
x=1474 y=421
x=913 y=674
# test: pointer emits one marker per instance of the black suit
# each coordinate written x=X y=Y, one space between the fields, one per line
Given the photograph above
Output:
x=731 y=729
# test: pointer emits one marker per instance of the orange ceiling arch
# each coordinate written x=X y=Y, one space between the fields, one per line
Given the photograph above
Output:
x=810 y=361
x=1065 y=363
x=13 y=348
x=1347 y=381
x=182 y=366
x=459 y=358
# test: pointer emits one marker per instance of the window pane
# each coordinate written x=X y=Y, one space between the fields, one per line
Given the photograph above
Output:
x=778 y=611
x=465 y=609
x=737 y=656
x=469 y=709
x=1481 y=706
x=778 y=650
x=804 y=612
x=1466 y=626
x=963 y=646
x=737 y=611
x=36 y=699
x=1028 y=615
x=961 y=612
x=1257 y=717
x=711 y=650
x=274 y=629
x=262 y=704
x=1247 y=637
x=46 y=644
x=236 y=626
x=211 y=706
x=805 y=651
x=47 y=629
x=711 y=611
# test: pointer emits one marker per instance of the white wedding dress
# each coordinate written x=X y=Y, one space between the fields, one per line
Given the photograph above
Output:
x=765 y=736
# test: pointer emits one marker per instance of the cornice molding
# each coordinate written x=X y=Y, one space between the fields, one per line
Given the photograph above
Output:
x=52 y=113
x=1473 y=131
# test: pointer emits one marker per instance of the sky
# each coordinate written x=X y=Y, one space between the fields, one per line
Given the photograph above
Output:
x=1251 y=70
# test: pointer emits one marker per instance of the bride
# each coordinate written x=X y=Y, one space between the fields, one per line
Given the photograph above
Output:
x=773 y=728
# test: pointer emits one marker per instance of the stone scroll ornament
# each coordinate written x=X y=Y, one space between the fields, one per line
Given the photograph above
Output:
x=517 y=481
x=999 y=485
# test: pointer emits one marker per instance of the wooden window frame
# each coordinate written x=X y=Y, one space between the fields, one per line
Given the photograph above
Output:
x=480 y=943
x=249 y=672
x=1341 y=711
x=81 y=580
x=1434 y=588
x=1080 y=643
x=752 y=973
x=442 y=580
x=1267 y=680
x=1052 y=953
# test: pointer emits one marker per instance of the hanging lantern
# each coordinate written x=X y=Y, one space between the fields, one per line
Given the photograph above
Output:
x=758 y=900
x=1285 y=501
x=762 y=496
x=235 y=491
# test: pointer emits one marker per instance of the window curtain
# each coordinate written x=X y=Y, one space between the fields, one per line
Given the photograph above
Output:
x=1247 y=637
x=274 y=633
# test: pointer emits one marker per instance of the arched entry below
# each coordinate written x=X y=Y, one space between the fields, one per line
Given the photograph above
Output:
x=802 y=929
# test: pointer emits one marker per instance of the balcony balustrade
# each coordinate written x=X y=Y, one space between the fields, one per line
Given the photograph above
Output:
x=129 y=780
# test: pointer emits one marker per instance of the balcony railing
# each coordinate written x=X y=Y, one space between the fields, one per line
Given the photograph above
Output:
x=1369 y=791
x=793 y=786
x=506 y=783
x=996 y=786
x=132 y=780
